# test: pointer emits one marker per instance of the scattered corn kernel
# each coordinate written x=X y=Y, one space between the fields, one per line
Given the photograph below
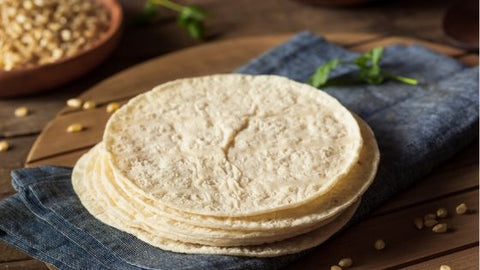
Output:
x=445 y=267
x=430 y=223
x=74 y=128
x=429 y=216
x=442 y=213
x=345 y=262
x=21 y=111
x=418 y=222
x=74 y=103
x=4 y=145
x=335 y=267
x=461 y=209
x=112 y=107
x=88 y=105
x=440 y=228
x=379 y=244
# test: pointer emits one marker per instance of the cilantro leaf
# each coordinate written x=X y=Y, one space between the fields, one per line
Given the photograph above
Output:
x=368 y=65
x=190 y=17
x=148 y=13
x=320 y=77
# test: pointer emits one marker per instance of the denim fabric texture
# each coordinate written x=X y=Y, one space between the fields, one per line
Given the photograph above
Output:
x=417 y=127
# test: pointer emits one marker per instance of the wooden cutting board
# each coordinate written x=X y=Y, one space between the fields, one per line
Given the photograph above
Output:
x=406 y=246
x=56 y=147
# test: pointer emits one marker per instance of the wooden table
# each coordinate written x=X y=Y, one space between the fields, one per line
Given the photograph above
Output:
x=421 y=250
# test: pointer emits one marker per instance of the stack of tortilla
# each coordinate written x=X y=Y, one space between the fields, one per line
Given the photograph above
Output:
x=229 y=164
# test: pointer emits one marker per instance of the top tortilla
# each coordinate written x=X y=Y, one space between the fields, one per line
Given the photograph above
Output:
x=233 y=145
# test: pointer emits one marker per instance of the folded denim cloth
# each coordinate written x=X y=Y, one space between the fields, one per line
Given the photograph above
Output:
x=417 y=127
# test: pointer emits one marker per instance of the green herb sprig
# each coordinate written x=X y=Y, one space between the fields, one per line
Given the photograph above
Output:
x=191 y=18
x=368 y=66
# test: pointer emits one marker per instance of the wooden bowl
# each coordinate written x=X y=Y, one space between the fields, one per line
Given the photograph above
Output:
x=23 y=81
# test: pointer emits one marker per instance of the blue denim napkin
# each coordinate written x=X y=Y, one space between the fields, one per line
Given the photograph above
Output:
x=417 y=127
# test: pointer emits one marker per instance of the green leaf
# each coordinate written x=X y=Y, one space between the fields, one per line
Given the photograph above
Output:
x=195 y=29
x=371 y=75
x=148 y=13
x=376 y=56
x=362 y=60
x=368 y=64
x=369 y=70
x=191 y=13
x=191 y=18
x=320 y=77
x=370 y=58
x=150 y=9
x=194 y=13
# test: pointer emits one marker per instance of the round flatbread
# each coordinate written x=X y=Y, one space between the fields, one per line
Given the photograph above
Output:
x=100 y=207
x=233 y=145
x=96 y=179
x=174 y=225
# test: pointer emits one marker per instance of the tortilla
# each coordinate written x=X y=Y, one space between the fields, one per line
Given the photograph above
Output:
x=233 y=145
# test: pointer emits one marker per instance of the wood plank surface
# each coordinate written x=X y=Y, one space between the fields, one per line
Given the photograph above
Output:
x=12 y=159
x=23 y=265
x=405 y=245
x=9 y=254
x=466 y=259
x=455 y=175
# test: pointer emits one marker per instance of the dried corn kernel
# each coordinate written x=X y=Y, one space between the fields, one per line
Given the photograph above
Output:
x=461 y=209
x=379 y=244
x=4 y=146
x=74 y=103
x=21 y=111
x=440 y=228
x=430 y=223
x=74 y=128
x=88 y=105
x=445 y=267
x=429 y=216
x=418 y=222
x=335 y=267
x=112 y=107
x=442 y=213
x=36 y=32
x=345 y=262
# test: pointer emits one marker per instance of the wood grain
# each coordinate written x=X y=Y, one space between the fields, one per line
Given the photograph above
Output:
x=454 y=176
x=9 y=253
x=405 y=245
x=12 y=159
x=469 y=59
x=23 y=265
x=42 y=109
x=466 y=259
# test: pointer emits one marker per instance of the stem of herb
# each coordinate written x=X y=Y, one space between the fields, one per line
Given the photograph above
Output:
x=168 y=4
x=406 y=80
